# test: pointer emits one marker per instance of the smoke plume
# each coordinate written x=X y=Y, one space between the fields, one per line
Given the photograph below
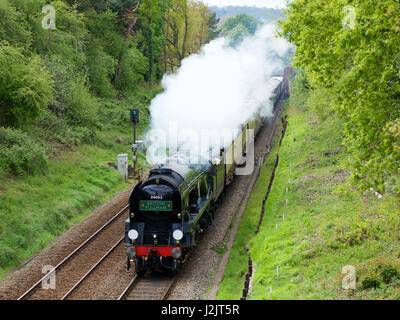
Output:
x=216 y=90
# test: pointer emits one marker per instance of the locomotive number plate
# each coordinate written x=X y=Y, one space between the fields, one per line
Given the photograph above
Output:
x=151 y=205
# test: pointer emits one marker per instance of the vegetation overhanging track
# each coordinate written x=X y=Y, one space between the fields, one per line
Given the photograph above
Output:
x=36 y=286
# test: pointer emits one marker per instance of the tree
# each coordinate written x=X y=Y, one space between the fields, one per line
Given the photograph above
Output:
x=360 y=64
x=239 y=27
x=152 y=38
x=212 y=24
x=248 y=22
x=188 y=29
x=132 y=18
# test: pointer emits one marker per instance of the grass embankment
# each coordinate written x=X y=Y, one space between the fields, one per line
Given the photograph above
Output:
x=233 y=282
x=328 y=224
x=34 y=209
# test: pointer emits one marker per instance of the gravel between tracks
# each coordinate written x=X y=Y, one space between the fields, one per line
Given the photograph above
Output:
x=107 y=281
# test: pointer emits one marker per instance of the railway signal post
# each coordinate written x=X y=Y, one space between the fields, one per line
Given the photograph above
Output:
x=134 y=120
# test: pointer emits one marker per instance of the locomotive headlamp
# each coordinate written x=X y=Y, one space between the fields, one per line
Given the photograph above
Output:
x=179 y=215
x=133 y=234
x=177 y=234
x=176 y=253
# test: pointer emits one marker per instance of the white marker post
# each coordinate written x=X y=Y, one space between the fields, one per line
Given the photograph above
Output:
x=123 y=165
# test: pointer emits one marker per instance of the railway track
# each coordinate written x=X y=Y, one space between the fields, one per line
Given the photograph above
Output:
x=73 y=270
x=149 y=287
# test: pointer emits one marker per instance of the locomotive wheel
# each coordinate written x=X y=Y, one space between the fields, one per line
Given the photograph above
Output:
x=139 y=267
x=177 y=268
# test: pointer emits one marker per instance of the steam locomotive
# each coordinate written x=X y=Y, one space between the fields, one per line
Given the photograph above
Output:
x=177 y=202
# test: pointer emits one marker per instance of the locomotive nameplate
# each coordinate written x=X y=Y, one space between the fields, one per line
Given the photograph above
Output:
x=152 y=205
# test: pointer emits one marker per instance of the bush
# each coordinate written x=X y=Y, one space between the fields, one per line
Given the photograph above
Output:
x=300 y=89
x=54 y=129
x=83 y=107
x=63 y=74
x=8 y=256
x=135 y=66
x=101 y=68
x=370 y=283
x=378 y=270
x=320 y=103
x=388 y=273
x=25 y=88
x=13 y=28
x=19 y=154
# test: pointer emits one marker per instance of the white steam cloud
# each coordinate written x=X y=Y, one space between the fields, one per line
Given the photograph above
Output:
x=219 y=88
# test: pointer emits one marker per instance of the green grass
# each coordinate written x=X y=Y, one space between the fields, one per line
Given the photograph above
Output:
x=233 y=282
x=328 y=225
x=35 y=209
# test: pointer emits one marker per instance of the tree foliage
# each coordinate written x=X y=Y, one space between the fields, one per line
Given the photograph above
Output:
x=359 y=63
x=13 y=26
x=239 y=27
x=25 y=86
x=189 y=25
x=57 y=80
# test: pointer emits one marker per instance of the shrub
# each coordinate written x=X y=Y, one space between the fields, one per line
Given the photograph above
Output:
x=101 y=68
x=55 y=129
x=25 y=88
x=83 y=108
x=63 y=74
x=388 y=273
x=19 y=154
x=377 y=270
x=370 y=283
x=135 y=66
x=68 y=40
x=8 y=256
x=319 y=102
x=13 y=28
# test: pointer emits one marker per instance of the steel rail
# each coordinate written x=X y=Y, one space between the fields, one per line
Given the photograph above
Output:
x=93 y=268
x=136 y=278
x=166 y=294
x=130 y=285
x=73 y=253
